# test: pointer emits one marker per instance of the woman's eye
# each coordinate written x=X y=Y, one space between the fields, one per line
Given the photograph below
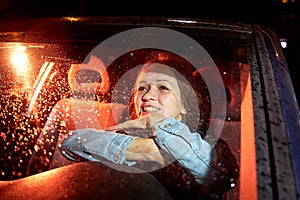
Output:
x=163 y=88
x=142 y=88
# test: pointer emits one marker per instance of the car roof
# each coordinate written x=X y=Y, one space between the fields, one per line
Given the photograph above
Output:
x=52 y=29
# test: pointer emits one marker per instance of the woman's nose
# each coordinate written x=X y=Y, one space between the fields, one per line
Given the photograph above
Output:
x=151 y=94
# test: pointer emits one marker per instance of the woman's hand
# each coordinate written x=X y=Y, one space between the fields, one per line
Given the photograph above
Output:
x=141 y=126
x=143 y=148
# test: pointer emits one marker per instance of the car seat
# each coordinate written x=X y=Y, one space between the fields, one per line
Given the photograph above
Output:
x=80 y=111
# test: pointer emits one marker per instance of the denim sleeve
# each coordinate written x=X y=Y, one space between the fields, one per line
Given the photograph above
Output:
x=191 y=151
x=95 y=145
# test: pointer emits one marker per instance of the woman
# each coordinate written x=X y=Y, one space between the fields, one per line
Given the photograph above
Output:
x=164 y=131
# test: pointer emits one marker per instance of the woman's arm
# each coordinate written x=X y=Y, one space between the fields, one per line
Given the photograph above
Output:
x=189 y=149
x=173 y=137
x=144 y=149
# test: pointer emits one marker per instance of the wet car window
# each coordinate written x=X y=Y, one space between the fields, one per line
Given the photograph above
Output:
x=49 y=89
x=30 y=91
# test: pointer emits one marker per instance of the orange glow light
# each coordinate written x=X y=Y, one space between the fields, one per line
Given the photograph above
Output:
x=20 y=59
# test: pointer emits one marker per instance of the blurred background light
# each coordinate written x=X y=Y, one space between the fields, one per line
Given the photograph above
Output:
x=19 y=59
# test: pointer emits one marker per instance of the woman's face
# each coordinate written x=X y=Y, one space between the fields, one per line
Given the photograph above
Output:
x=157 y=90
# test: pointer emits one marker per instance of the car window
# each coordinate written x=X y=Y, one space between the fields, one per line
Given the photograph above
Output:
x=31 y=90
x=50 y=88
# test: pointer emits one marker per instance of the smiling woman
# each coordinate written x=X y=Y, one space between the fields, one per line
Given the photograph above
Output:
x=164 y=135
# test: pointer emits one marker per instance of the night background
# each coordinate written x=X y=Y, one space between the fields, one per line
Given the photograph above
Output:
x=283 y=16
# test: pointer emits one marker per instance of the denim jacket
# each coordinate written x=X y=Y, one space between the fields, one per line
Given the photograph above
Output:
x=174 y=137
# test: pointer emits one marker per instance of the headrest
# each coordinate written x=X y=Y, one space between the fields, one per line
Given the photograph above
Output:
x=90 y=78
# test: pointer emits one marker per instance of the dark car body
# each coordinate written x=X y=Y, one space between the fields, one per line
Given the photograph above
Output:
x=260 y=124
